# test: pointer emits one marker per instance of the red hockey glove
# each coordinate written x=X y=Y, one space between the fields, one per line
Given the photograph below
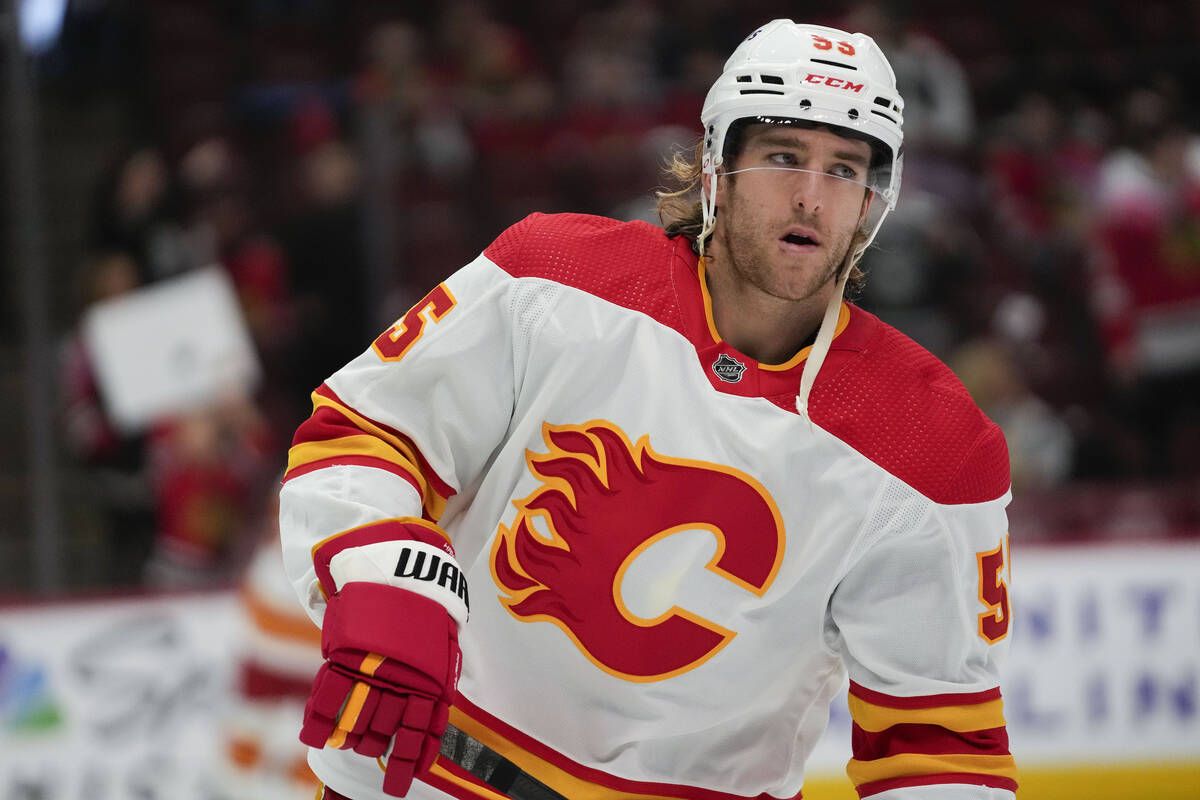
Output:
x=396 y=601
x=392 y=667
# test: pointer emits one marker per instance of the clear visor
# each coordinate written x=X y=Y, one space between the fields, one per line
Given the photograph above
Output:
x=832 y=191
x=836 y=183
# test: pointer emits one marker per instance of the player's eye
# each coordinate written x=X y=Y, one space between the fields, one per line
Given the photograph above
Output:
x=844 y=171
x=783 y=159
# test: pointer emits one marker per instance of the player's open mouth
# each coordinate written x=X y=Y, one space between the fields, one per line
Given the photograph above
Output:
x=800 y=238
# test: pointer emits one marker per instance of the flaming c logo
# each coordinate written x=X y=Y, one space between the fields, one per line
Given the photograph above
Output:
x=604 y=501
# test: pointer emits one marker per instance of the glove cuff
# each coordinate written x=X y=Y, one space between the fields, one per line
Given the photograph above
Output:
x=415 y=566
x=406 y=552
x=403 y=627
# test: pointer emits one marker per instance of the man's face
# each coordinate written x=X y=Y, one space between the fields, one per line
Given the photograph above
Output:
x=786 y=233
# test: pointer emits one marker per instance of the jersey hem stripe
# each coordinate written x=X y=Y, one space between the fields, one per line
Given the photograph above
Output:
x=566 y=776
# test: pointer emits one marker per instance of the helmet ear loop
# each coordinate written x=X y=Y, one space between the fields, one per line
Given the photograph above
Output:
x=708 y=202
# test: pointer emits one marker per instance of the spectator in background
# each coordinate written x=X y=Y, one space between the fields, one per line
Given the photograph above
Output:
x=1041 y=168
x=423 y=181
x=323 y=230
x=173 y=497
x=941 y=99
x=1146 y=280
x=209 y=470
x=928 y=262
x=225 y=227
x=115 y=461
x=136 y=210
x=1040 y=443
x=1040 y=165
x=609 y=90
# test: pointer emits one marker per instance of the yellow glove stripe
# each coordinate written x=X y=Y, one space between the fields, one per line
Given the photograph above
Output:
x=370 y=663
x=349 y=715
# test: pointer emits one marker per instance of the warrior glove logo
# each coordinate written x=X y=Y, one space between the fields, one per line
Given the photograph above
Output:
x=604 y=502
x=442 y=571
x=728 y=368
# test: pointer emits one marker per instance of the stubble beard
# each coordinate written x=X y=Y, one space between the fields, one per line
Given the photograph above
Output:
x=751 y=259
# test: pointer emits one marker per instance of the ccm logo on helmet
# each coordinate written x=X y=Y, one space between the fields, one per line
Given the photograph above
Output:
x=836 y=83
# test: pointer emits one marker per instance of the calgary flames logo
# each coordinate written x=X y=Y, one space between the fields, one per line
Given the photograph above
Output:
x=604 y=501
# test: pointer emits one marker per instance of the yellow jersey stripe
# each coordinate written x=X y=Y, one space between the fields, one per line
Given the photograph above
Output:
x=981 y=716
x=909 y=764
x=435 y=503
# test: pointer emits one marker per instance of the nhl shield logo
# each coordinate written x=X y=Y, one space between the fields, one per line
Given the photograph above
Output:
x=728 y=369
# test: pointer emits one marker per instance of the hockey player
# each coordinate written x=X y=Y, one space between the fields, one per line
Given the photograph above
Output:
x=656 y=492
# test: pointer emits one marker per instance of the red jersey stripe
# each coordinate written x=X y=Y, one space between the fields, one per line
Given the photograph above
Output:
x=440 y=486
x=358 y=461
x=923 y=701
x=927 y=739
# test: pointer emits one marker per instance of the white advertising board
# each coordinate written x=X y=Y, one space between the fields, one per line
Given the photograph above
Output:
x=115 y=700
x=1104 y=665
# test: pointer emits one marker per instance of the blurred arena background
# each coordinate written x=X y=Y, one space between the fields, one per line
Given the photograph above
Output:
x=304 y=170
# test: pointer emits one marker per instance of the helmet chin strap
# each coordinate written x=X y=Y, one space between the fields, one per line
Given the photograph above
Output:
x=833 y=309
x=820 y=347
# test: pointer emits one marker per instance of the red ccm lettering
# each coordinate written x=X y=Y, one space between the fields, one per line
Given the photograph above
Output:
x=836 y=83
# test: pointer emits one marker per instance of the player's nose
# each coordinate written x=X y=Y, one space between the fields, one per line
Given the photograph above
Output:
x=809 y=190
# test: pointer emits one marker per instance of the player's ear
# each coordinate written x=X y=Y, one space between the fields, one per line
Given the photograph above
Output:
x=711 y=183
x=866 y=206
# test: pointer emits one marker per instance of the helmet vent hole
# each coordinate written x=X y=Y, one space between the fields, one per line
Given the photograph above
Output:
x=888 y=117
x=775 y=79
x=839 y=64
x=883 y=101
x=760 y=91
x=744 y=78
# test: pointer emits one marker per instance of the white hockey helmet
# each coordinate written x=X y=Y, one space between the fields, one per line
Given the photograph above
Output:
x=787 y=72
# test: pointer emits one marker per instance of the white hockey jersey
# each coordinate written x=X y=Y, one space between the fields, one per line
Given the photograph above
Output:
x=670 y=570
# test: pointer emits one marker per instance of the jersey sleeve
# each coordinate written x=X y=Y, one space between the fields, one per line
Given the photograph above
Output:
x=408 y=424
x=921 y=619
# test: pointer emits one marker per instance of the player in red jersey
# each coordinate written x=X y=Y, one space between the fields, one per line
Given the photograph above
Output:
x=614 y=511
